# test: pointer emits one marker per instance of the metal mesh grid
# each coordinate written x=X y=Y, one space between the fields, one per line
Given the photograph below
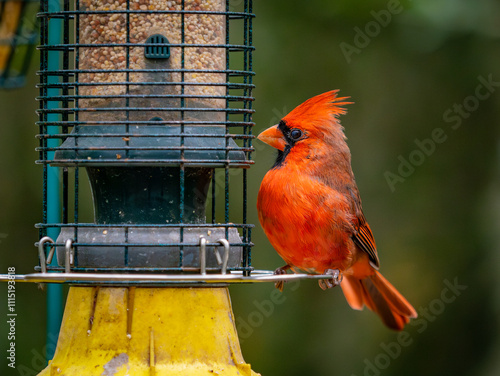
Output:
x=143 y=115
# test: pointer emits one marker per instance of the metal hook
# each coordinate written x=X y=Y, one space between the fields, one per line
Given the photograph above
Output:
x=203 y=255
x=68 y=257
x=225 y=243
x=41 y=252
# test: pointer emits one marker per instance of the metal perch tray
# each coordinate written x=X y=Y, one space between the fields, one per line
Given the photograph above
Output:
x=162 y=279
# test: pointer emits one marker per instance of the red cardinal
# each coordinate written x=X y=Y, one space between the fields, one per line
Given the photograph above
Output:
x=310 y=209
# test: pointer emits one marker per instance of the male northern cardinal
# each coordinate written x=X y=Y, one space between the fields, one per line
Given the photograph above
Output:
x=310 y=209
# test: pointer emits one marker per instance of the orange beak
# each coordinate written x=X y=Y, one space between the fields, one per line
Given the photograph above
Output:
x=273 y=137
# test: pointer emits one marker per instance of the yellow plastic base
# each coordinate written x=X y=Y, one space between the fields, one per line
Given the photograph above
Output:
x=148 y=331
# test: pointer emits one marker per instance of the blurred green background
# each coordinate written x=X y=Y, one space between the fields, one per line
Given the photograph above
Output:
x=415 y=70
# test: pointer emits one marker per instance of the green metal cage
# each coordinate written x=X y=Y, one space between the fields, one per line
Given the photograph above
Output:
x=151 y=130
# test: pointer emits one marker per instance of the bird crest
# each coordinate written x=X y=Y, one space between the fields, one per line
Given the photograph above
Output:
x=318 y=110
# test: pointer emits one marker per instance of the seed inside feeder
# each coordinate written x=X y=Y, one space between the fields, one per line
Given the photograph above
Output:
x=102 y=64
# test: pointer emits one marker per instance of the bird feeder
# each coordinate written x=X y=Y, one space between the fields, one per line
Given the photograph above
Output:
x=152 y=120
x=18 y=36
x=152 y=101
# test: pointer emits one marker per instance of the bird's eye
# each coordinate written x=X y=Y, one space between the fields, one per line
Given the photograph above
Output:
x=295 y=134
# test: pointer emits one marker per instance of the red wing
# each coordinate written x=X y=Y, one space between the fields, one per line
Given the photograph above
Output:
x=364 y=240
x=363 y=237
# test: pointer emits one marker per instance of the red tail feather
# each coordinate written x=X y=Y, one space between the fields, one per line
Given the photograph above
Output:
x=379 y=296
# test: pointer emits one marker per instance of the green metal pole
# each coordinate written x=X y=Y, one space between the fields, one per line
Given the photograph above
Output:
x=54 y=291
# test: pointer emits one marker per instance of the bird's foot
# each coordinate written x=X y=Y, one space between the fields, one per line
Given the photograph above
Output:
x=280 y=271
x=334 y=280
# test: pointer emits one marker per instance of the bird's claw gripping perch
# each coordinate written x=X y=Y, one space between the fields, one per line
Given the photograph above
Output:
x=336 y=278
x=280 y=271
